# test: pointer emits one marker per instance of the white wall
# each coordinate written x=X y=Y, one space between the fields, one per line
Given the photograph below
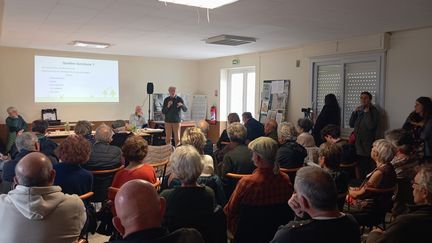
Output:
x=409 y=70
x=408 y=76
x=17 y=84
x=409 y=73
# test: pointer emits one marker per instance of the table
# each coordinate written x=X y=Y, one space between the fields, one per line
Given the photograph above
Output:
x=59 y=136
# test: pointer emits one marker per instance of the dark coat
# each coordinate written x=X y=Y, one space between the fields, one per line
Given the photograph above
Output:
x=412 y=227
x=365 y=126
x=103 y=157
x=255 y=129
x=327 y=116
x=291 y=155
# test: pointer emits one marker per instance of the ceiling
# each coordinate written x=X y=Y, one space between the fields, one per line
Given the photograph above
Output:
x=149 y=28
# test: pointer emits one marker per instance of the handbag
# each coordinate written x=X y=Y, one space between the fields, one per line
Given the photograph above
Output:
x=352 y=138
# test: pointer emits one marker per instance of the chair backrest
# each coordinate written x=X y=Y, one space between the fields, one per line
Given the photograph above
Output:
x=112 y=191
x=260 y=223
x=236 y=176
x=157 y=154
x=160 y=168
x=312 y=155
x=86 y=196
x=102 y=179
x=291 y=172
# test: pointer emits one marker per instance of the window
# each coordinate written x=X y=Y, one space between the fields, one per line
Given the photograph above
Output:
x=347 y=77
x=237 y=91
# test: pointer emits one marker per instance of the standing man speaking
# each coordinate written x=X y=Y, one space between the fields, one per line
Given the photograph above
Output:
x=172 y=106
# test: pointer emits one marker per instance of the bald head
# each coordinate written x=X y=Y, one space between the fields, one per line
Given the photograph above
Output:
x=34 y=170
x=270 y=126
x=203 y=126
x=138 y=207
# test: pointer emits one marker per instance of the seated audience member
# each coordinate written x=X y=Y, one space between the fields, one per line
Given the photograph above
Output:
x=305 y=139
x=194 y=137
x=26 y=143
x=370 y=207
x=290 y=154
x=404 y=166
x=271 y=129
x=15 y=126
x=329 y=159
x=103 y=155
x=137 y=119
x=141 y=222
x=414 y=226
x=190 y=205
x=46 y=145
x=134 y=151
x=37 y=211
x=204 y=127
x=73 y=152
x=266 y=186
x=239 y=158
x=315 y=204
x=224 y=139
x=331 y=134
x=254 y=128
x=84 y=128
x=120 y=133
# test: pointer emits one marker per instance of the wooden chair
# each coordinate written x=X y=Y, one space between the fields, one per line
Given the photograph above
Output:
x=350 y=168
x=291 y=172
x=86 y=196
x=379 y=217
x=98 y=172
x=102 y=179
x=160 y=168
x=236 y=176
x=113 y=190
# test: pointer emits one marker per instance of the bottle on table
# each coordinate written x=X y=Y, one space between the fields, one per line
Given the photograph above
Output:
x=67 y=127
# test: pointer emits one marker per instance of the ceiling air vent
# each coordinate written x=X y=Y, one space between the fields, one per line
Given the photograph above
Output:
x=229 y=40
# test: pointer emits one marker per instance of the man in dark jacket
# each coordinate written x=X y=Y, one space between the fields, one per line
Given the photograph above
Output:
x=254 y=128
x=318 y=219
x=364 y=120
x=26 y=143
x=103 y=156
x=15 y=125
x=171 y=108
x=414 y=226
x=142 y=222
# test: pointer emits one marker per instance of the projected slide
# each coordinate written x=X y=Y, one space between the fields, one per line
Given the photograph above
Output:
x=61 y=79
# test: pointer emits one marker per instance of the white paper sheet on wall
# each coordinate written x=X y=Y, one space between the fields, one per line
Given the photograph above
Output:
x=199 y=107
x=277 y=87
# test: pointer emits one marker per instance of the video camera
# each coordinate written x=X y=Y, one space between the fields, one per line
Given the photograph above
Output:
x=307 y=112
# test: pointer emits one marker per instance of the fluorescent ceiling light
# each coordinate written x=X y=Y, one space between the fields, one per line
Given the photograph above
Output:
x=90 y=44
x=210 y=4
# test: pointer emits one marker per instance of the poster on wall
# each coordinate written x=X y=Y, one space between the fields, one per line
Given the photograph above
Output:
x=274 y=100
x=158 y=99
x=196 y=104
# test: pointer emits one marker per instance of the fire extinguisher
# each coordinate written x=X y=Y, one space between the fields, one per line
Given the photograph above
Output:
x=213 y=115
